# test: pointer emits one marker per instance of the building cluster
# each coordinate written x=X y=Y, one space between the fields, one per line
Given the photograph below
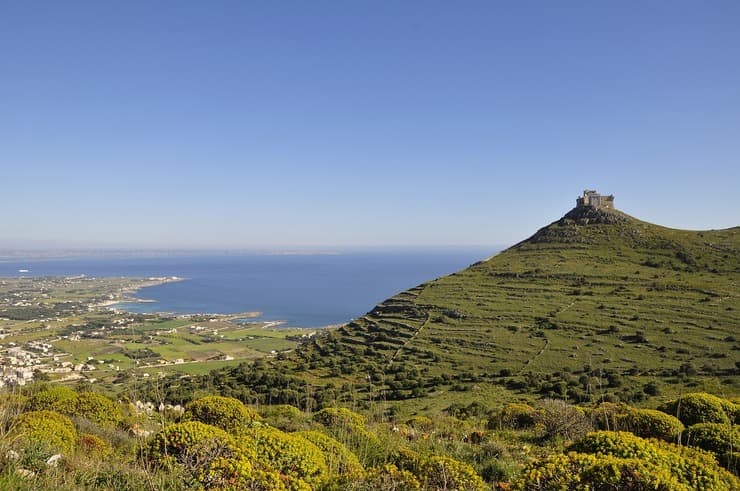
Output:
x=20 y=363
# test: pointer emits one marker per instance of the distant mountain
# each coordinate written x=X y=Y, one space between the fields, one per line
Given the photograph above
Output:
x=596 y=305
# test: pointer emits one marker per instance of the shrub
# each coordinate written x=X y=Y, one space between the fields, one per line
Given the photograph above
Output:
x=386 y=477
x=51 y=398
x=441 y=472
x=285 y=417
x=515 y=416
x=732 y=409
x=193 y=445
x=290 y=454
x=226 y=413
x=421 y=423
x=605 y=416
x=94 y=407
x=48 y=429
x=241 y=474
x=697 y=408
x=690 y=467
x=339 y=417
x=720 y=439
x=649 y=423
x=349 y=429
x=558 y=418
x=340 y=461
x=93 y=446
x=584 y=471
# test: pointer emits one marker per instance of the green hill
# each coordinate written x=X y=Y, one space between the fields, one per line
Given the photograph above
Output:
x=595 y=306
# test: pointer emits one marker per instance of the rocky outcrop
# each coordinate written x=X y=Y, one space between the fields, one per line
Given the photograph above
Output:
x=584 y=215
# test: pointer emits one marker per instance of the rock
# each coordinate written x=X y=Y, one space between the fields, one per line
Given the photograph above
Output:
x=25 y=473
x=12 y=455
x=53 y=460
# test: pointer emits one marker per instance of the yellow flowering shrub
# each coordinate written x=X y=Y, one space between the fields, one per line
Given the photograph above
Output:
x=239 y=474
x=341 y=462
x=48 y=429
x=296 y=458
x=650 y=423
x=226 y=413
x=442 y=472
x=698 y=407
x=94 y=407
x=386 y=477
x=339 y=417
x=586 y=472
x=193 y=446
x=50 y=398
x=691 y=467
x=515 y=416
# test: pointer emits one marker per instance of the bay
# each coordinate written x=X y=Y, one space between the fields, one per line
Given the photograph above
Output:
x=303 y=290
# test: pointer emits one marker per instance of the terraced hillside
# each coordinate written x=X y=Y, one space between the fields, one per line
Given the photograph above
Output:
x=597 y=305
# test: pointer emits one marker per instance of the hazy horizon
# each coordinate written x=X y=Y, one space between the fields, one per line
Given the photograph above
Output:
x=240 y=125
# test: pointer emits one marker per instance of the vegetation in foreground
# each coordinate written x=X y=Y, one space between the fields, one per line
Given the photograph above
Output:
x=578 y=359
x=54 y=437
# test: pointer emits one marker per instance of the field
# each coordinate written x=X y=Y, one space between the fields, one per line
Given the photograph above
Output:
x=64 y=329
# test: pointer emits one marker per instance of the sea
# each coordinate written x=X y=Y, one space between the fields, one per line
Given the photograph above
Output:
x=299 y=289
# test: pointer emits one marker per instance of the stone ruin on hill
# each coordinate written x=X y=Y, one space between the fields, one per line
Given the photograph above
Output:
x=595 y=200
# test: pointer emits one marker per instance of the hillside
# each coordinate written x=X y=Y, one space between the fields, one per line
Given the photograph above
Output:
x=596 y=305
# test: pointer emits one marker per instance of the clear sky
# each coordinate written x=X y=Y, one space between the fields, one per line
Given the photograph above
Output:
x=313 y=123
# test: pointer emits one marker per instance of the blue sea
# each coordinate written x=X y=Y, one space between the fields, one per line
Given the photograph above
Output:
x=303 y=290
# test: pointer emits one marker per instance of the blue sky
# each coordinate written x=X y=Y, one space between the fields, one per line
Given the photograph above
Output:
x=310 y=124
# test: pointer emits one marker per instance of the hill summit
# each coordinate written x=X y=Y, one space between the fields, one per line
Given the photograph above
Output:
x=596 y=305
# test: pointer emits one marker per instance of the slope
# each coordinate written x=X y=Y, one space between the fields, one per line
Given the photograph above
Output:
x=597 y=305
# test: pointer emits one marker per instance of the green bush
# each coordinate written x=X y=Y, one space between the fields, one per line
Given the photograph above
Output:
x=386 y=477
x=94 y=407
x=339 y=417
x=48 y=429
x=193 y=445
x=690 y=467
x=93 y=446
x=341 y=462
x=605 y=416
x=51 y=398
x=578 y=471
x=349 y=429
x=226 y=413
x=732 y=409
x=649 y=423
x=698 y=407
x=421 y=423
x=721 y=439
x=290 y=454
x=514 y=416
x=441 y=472
x=240 y=474
x=285 y=417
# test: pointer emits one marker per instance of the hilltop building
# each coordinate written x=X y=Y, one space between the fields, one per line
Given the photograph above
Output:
x=595 y=200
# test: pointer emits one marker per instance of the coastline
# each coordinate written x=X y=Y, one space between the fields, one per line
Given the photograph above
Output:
x=126 y=295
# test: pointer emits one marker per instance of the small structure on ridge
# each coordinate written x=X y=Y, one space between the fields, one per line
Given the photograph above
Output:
x=595 y=200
